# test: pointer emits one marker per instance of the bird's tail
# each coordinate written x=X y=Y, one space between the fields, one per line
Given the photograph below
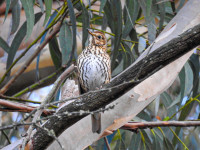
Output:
x=96 y=123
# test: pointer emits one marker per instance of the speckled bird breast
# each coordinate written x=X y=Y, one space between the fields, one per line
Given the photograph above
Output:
x=94 y=70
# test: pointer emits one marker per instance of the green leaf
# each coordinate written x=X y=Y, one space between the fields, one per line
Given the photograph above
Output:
x=30 y=17
x=41 y=5
x=109 y=15
x=167 y=100
x=194 y=64
x=132 y=8
x=167 y=144
x=18 y=40
x=135 y=142
x=86 y=23
x=73 y=21
x=117 y=18
x=149 y=17
x=48 y=6
x=103 y=2
x=65 y=38
x=4 y=45
x=55 y=52
x=7 y=8
x=156 y=144
x=161 y=7
x=16 y=11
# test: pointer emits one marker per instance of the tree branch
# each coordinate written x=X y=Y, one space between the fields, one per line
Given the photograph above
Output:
x=94 y=100
x=133 y=126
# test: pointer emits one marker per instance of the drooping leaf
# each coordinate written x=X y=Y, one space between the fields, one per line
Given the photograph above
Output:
x=48 y=6
x=4 y=45
x=103 y=2
x=55 y=52
x=117 y=18
x=7 y=8
x=167 y=144
x=73 y=21
x=42 y=40
x=161 y=7
x=41 y=5
x=108 y=15
x=132 y=8
x=135 y=141
x=30 y=17
x=195 y=66
x=18 y=39
x=86 y=23
x=65 y=38
x=167 y=100
x=16 y=11
x=149 y=18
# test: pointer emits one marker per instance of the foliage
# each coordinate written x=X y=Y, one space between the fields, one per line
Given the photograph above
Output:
x=125 y=45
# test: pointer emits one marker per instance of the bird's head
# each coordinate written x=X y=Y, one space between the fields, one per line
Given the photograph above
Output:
x=98 y=38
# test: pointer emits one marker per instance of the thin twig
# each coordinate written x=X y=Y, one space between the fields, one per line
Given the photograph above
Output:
x=107 y=144
x=19 y=107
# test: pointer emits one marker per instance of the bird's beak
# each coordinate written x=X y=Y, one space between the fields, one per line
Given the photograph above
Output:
x=90 y=32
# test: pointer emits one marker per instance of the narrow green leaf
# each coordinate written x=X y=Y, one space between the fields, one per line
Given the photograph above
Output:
x=167 y=100
x=195 y=66
x=73 y=21
x=41 y=5
x=48 y=6
x=18 y=39
x=55 y=52
x=135 y=142
x=30 y=17
x=86 y=23
x=108 y=15
x=161 y=7
x=16 y=11
x=4 y=45
x=65 y=38
x=167 y=144
x=132 y=8
x=156 y=144
x=116 y=10
x=7 y=8
x=148 y=7
x=103 y=2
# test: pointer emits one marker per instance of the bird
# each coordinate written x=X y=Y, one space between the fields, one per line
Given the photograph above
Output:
x=94 y=69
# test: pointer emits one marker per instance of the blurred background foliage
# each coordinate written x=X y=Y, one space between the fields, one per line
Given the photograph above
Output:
x=130 y=26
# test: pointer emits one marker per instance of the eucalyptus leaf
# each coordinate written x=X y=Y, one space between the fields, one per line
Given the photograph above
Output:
x=7 y=8
x=167 y=100
x=86 y=23
x=194 y=64
x=132 y=8
x=103 y=2
x=41 y=5
x=65 y=38
x=16 y=11
x=48 y=6
x=73 y=21
x=161 y=7
x=117 y=17
x=55 y=52
x=4 y=45
x=28 y=6
x=18 y=40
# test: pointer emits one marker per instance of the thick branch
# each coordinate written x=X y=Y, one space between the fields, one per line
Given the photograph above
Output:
x=94 y=100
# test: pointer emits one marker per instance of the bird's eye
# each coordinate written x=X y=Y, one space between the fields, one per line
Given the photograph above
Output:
x=99 y=37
